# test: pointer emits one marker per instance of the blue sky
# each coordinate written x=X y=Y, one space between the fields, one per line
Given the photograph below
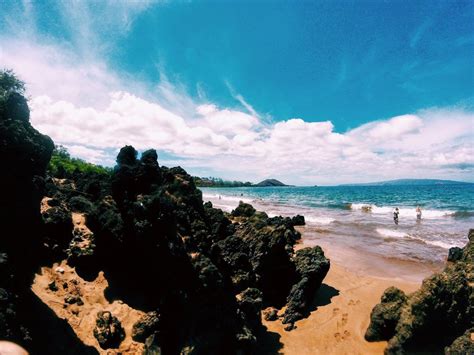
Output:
x=250 y=86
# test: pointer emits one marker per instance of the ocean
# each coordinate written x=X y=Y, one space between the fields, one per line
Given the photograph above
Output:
x=360 y=218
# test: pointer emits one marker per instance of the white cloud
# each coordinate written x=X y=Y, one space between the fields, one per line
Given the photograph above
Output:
x=390 y=129
x=58 y=71
x=239 y=145
x=95 y=156
x=94 y=111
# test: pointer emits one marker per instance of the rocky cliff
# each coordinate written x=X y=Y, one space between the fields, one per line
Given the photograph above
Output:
x=197 y=277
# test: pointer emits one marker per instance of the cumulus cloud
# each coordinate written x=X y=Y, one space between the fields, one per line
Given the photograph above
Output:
x=237 y=143
x=84 y=105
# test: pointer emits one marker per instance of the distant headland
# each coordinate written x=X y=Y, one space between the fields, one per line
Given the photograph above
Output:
x=217 y=182
x=399 y=182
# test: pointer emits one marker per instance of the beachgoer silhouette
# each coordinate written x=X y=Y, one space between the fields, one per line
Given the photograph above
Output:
x=418 y=213
x=395 y=215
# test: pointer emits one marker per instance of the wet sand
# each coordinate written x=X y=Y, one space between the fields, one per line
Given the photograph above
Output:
x=341 y=309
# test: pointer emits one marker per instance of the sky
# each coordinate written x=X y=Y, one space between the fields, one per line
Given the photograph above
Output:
x=308 y=92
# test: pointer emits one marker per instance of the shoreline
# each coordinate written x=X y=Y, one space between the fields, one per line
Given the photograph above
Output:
x=362 y=261
x=342 y=306
x=372 y=264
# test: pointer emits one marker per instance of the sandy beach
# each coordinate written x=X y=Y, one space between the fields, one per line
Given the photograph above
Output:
x=341 y=309
x=340 y=317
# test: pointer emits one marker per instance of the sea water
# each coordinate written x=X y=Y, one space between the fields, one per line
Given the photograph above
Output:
x=361 y=217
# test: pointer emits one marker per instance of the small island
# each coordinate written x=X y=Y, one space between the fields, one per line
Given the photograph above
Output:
x=270 y=183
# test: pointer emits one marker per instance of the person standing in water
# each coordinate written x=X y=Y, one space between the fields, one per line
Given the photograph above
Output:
x=395 y=215
x=418 y=213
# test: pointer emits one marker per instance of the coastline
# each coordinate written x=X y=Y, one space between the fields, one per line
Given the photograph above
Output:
x=341 y=309
x=361 y=259
x=368 y=264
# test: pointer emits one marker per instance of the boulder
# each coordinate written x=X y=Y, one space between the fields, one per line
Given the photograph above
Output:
x=270 y=314
x=298 y=220
x=243 y=210
x=455 y=254
x=146 y=326
x=384 y=317
x=108 y=330
x=311 y=269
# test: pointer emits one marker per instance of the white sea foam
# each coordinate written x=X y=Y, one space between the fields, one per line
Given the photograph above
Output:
x=440 y=244
x=319 y=219
x=390 y=233
x=396 y=234
x=236 y=199
x=404 y=212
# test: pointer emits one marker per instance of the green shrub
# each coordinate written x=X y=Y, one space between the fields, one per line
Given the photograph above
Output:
x=63 y=165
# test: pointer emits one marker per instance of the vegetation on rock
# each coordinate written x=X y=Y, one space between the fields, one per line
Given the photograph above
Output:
x=201 y=276
x=62 y=165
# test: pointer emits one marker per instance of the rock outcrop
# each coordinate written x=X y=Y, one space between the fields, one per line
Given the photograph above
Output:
x=440 y=314
x=311 y=268
x=200 y=276
x=24 y=153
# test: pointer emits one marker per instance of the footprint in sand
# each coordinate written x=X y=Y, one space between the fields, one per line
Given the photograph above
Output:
x=338 y=336
x=344 y=318
x=353 y=303
x=335 y=311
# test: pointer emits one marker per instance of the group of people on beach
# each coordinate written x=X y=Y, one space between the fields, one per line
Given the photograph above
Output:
x=396 y=212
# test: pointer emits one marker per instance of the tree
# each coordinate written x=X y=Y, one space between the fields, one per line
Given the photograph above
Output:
x=62 y=165
x=12 y=89
x=10 y=83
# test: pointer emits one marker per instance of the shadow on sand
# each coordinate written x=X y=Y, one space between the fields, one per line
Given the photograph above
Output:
x=323 y=296
x=268 y=343
x=51 y=334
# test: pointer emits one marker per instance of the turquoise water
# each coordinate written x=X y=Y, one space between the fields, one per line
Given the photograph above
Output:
x=361 y=217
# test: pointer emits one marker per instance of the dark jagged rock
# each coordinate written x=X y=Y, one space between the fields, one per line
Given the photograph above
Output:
x=243 y=210
x=220 y=225
x=455 y=254
x=16 y=107
x=57 y=227
x=108 y=330
x=385 y=315
x=435 y=315
x=160 y=248
x=232 y=254
x=24 y=153
x=311 y=268
x=462 y=345
x=270 y=314
x=73 y=299
x=270 y=256
x=80 y=204
x=298 y=220
x=148 y=325
x=250 y=303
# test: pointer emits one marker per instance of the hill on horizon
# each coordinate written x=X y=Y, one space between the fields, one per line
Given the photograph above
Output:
x=409 y=182
x=270 y=182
